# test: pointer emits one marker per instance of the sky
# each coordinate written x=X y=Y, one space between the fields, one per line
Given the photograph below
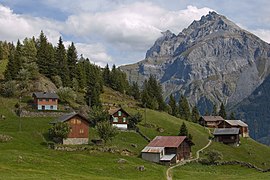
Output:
x=121 y=31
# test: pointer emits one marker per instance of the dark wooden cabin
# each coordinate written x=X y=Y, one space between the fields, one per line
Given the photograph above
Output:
x=79 y=132
x=227 y=135
x=235 y=124
x=210 y=121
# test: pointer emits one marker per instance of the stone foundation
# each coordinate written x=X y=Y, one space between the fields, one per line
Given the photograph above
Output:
x=75 y=141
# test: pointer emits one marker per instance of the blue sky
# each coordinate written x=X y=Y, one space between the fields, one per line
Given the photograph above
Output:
x=120 y=31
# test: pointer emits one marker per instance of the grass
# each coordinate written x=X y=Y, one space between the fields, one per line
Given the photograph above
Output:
x=27 y=155
x=197 y=171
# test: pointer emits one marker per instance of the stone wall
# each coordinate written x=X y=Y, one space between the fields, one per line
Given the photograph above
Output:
x=25 y=113
x=75 y=141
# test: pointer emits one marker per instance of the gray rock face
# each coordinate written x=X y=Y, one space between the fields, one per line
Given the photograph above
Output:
x=211 y=61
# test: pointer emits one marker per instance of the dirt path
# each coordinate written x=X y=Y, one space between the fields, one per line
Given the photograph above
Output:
x=168 y=172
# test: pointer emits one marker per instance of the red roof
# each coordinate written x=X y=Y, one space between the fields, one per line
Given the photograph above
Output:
x=167 y=141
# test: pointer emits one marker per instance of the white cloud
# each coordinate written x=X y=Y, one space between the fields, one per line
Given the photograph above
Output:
x=14 y=26
x=134 y=26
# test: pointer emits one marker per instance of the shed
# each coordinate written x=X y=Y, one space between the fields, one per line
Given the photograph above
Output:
x=210 y=121
x=227 y=135
x=79 y=132
x=236 y=124
x=152 y=153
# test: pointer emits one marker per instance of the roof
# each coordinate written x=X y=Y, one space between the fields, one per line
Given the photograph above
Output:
x=226 y=131
x=114 y=110
x=236 y=123
x=149 y=149
x=67 y=117
x=46 y=95
x=168 y=157
x=167 y=141
x=212 y=118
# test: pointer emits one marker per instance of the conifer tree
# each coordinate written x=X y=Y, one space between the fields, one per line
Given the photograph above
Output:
x=135 y=91
x=61 y=59
x=184 y=111
x=232 y=116
x=222 y=111
x=183 y=130
x=195 y=115
x=172 y=104
x=106 y=75
x=18 y=60
x=214 y=111
x=72 y=58
x=10 y=73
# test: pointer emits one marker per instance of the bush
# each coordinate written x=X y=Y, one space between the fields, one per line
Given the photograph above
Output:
x=211 y=157
x=59 y=131
x=9 y=89
x=133 y=120
x=66 y=95
x=106 y=131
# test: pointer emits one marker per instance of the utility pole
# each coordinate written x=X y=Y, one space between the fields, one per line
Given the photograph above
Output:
x=145 y=113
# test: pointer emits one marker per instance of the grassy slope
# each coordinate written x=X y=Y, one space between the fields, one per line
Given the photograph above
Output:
x=27 y=156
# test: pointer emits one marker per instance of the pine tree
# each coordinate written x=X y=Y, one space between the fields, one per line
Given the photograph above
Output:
x=18 y=60
x=183 y=130
x=214 y=111
x=195 y=115
x=61 y=59
x=172 y=104
x=184 y=111
x=222 y=111
x=135 y=91
x=106 y=75
x=10 y=73
x=232 y=116
x=72 y=58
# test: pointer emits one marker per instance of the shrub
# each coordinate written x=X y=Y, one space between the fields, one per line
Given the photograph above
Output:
x=59 y=131
x=9 y=89
x=106 y=131
x=212 y=157
x=66 y=94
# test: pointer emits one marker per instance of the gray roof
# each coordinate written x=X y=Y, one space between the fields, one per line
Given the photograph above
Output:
x=67 y=117
x=226 y=131
x=236 y=123
x=46 y=95
x=212 y=118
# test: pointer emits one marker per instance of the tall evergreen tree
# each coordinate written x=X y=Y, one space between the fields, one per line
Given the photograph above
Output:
x=72 y=58
x=222 y=111
x=184 y=111
x=172 y=104
x=183 y=130
x=10 y=73
x=106 y=75
x=135 y=91
x=195 y=115
x=45 y=57
x=61 y=59
x=214 y=111
x=232 y=116
x=18 y=58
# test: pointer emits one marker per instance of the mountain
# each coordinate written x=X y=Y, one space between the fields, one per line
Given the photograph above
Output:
x=211 y=61
x=255 y=111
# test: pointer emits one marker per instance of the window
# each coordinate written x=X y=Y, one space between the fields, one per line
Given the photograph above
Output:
x=47 y=100
x=71 y=130
x=115 y=119
x=119 y=113
x=124 y=119
x=78 y=121
x=73 y=121
x=51 y=107
x=53 y=99
x=81 y=131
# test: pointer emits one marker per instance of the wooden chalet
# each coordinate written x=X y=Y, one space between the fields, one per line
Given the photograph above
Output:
x=167 y=149
x=79 y=128
x=227 y=135
x=45 y=101
x=118 y=118
x=235 y=124
x=210 y=121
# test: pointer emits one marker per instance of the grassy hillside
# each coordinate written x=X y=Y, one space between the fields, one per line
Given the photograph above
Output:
x=27 y=155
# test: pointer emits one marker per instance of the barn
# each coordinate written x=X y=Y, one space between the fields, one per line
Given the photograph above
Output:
x=79 y=128
x=235 y=124
x=167 y=149
x=228 y=136
x=210 y=121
